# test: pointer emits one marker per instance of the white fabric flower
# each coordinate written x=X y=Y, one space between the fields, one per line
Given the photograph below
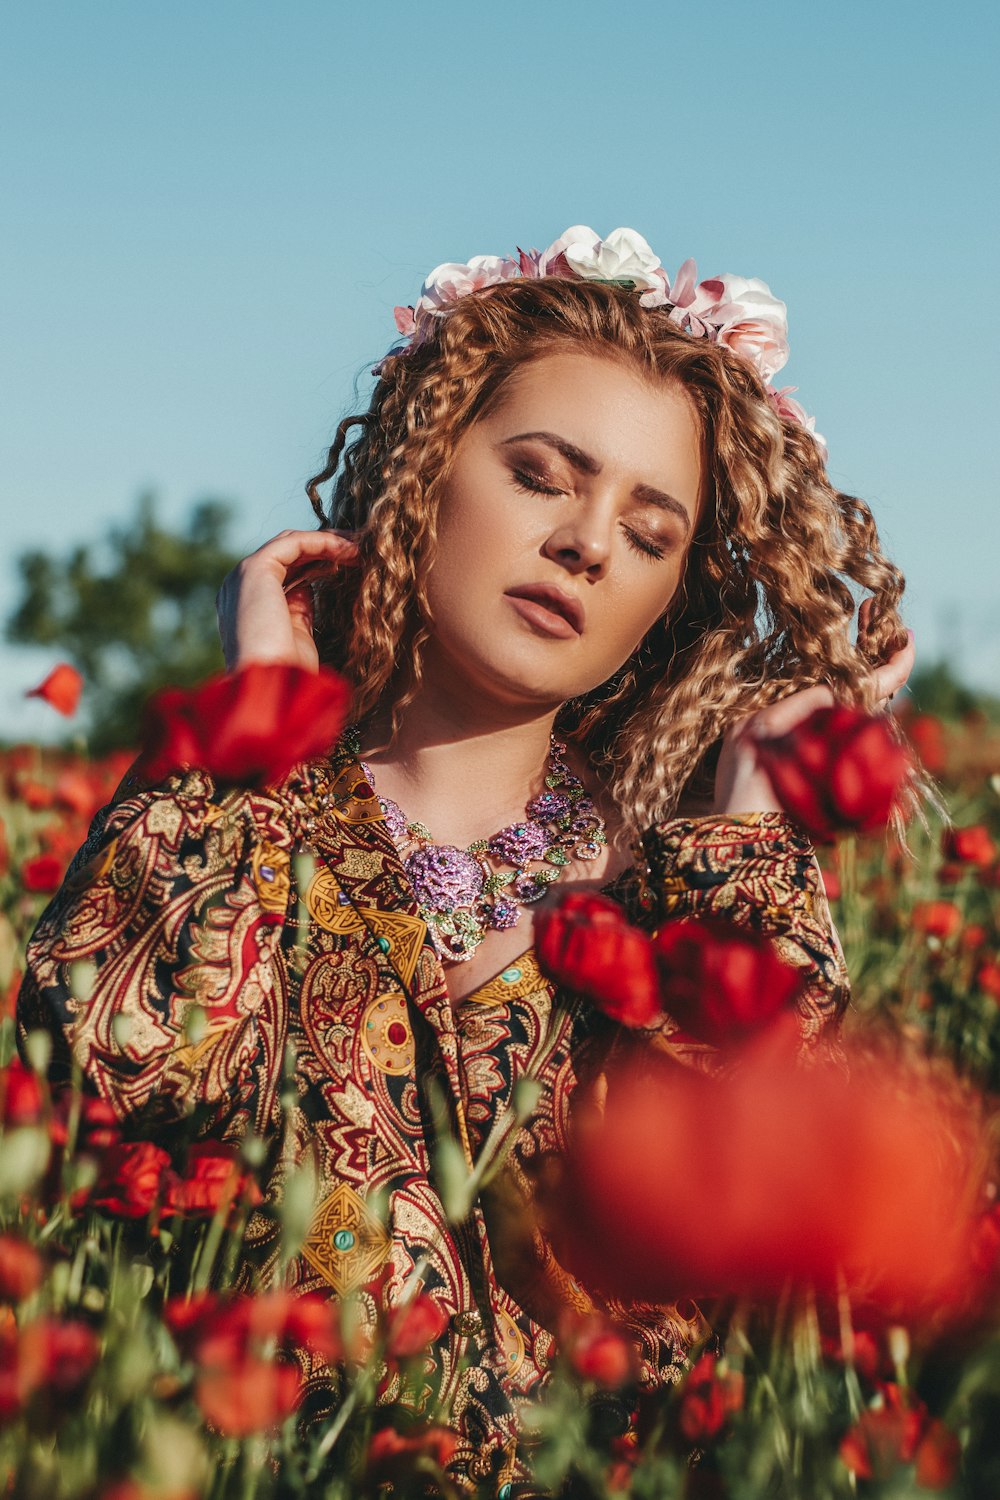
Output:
x=623 y=256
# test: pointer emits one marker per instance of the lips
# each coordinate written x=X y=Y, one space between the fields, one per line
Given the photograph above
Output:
x=553 y=599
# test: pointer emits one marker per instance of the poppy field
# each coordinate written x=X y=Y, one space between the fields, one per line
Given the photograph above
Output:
x=834 y=1222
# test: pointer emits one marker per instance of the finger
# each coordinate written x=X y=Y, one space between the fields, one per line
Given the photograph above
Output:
x=893 y=674
x=300 y=606
x=783 y=716
x=291 y=547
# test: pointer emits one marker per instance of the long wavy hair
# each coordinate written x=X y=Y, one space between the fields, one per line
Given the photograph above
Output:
x=772 y=577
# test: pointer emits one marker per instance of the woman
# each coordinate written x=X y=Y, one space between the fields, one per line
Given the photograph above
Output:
x=580 y=555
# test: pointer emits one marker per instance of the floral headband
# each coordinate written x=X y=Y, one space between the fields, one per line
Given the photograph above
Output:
x=732 y=310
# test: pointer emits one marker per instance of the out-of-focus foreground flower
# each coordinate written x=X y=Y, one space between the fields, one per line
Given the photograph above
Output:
x=839 y=771
x=774 y=1173
x=248 y=727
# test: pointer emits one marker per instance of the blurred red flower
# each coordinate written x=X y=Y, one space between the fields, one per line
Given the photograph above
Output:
x=927 y=736
x=240 y=1387
x=248 y=727
x=938 y=919
x=42 y=873
x=721 y=982
x=865 y=1356
x=132 y=1179
x=899 y=1430
x=697 y=1185
x=839 y=771
x=61 y=689
x=831 y=884
x=254 y=1395
x=20 y=1268
x=22 y=1101
x=586 y=943
x=969 y=846
x=212 y=1177
x=47 y=1356
x=409 y=1330
x=712 y=1392
x=597 y=1350
x=391 y=1456
x=988 y=979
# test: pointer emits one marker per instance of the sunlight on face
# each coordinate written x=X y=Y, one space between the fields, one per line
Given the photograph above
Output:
x=563 y=531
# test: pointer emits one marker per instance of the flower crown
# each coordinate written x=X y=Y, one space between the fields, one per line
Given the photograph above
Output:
x=732 y=310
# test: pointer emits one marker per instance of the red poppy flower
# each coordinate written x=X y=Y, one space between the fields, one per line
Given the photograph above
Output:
x=865 y=1356
x=937 y=1456
x=42 y=874
x=938 y=919
x=409 y=1330
x=61 y=688
x=22 y=1100
x=214 y=1330
x=391 y=1456
x=927 y=736
x=45 y=1356
x=969 y=846
x=839 y=771
x=772 y=1173
x=20 y=1268
x=212 y=1177
x=831 y=884
x=885 y=1436
x=712 y=1392
x=598 y=1351
x=248 y=727
x=721 y=982
x=587 y=944
x=254 y=1395
x=988 y=979
x=131 y=1180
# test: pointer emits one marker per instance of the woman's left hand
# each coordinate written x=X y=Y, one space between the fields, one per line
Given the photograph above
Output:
x=741 y=786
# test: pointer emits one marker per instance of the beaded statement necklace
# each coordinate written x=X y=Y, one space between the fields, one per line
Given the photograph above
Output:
x=465 y=893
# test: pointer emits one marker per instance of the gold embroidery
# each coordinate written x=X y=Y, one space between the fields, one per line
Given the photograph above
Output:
x=386 y=1034
x=511 y=1341
x=400 y=937
x=346 y=1244
x=522 y=977
x=328 y=906
x=269 y=868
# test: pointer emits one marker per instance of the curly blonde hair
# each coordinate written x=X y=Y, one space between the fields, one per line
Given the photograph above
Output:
x=766 y=600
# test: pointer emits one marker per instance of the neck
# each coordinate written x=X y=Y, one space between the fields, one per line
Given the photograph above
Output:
x=462 y=766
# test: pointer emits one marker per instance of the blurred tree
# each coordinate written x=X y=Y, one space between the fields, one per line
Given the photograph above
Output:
x=134 y=612
x=937 y=689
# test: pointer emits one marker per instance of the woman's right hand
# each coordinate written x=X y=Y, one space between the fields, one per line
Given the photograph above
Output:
x=265 y=605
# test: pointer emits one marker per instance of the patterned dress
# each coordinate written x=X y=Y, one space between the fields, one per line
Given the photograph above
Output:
x=285 y=916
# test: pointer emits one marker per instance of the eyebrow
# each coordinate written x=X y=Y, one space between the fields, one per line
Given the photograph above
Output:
x=585 y=463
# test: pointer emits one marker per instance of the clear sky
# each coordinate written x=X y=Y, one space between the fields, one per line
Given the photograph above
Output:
x=211 y=209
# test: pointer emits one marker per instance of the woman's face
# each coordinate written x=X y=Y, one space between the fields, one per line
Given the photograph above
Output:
x=563 y=530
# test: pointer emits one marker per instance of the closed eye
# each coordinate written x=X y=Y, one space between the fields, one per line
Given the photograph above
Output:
x=533 y=484
x=640 y=543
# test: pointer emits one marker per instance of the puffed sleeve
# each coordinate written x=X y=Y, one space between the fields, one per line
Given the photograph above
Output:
x=158 y=966
x=760 y=871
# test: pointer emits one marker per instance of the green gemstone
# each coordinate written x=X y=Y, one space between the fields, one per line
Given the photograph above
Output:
x=384 y=944
x=511 y=975
x=557 y=857
x=344 y=1239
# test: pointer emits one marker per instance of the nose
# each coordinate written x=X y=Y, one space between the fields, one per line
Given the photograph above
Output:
x=580 y=544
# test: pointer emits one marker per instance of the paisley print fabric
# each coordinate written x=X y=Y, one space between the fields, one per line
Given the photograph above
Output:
x=204 y=936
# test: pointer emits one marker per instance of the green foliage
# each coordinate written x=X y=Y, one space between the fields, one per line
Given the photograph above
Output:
x=134 y=612
x=936 y=689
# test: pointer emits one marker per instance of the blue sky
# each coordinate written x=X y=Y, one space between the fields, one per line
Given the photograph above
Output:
x=210 y=211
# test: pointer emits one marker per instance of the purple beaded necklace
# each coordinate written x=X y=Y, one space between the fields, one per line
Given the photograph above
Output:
x=465 y=893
